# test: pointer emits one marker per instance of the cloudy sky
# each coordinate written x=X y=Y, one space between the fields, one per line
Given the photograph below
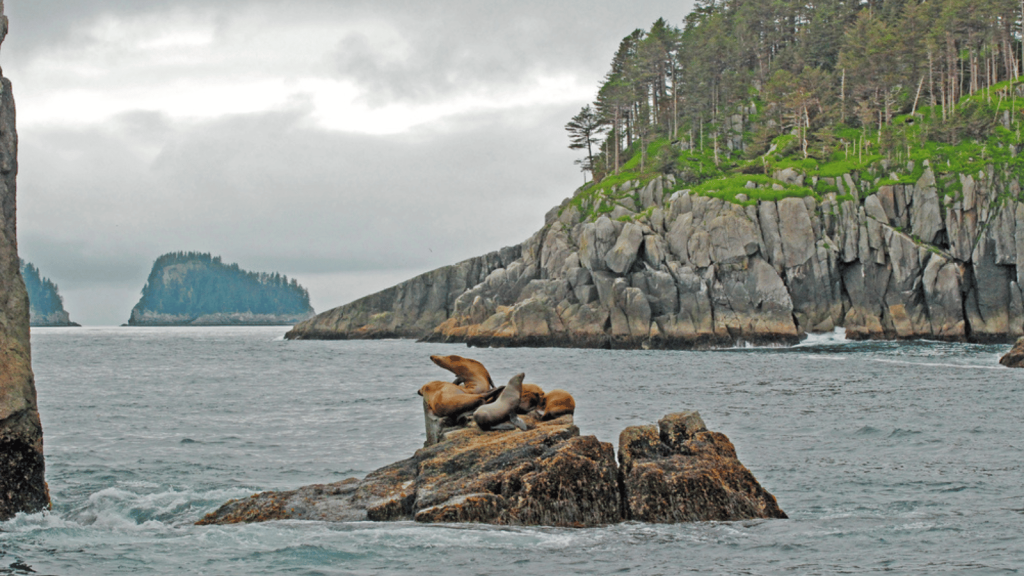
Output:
x=350 y=144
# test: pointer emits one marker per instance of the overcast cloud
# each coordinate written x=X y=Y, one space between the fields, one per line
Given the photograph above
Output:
x=348 y=144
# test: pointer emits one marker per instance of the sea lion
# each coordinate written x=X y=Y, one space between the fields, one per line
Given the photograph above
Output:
x=557 y=403
x=503 y=410
x=444 y=399
x=470 y=374
x=531 y=398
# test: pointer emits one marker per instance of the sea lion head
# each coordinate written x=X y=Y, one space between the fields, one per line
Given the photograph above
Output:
x=531 y=398
x=430 y=388
x=470 y=374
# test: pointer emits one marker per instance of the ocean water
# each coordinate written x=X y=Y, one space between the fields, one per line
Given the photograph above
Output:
x=906 y=458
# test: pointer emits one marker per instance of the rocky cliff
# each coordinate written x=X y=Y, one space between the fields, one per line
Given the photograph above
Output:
x=887 y=253
x=677 y=471
x=22 y=486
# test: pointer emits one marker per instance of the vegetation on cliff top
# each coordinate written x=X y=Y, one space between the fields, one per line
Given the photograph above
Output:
x=43 y=296
x=196 y=284
x=746 y=88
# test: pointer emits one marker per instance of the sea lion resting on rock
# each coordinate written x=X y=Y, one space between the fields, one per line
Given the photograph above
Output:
x=444 y=399
x=531 y=399
x=503 y=410
x=556 y=403
x=548 y=405
x=470 y=374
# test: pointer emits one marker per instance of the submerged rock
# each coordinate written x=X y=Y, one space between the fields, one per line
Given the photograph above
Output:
x=546 y=476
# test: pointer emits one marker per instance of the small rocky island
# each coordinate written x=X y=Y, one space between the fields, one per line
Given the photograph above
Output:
x=546 y=475
x=197 y=289
x=46 y=306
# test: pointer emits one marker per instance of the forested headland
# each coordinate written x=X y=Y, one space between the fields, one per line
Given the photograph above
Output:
x=198 y=288
x=765 y=170
x=829 y=87
x=46 y=306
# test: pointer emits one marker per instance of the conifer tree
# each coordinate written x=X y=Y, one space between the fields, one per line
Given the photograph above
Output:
x=584 y=129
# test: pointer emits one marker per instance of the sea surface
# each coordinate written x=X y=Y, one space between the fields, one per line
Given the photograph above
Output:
x=904 y=458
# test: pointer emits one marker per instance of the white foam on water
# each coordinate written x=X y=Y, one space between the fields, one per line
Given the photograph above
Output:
x=940 y=365
x=836 y=336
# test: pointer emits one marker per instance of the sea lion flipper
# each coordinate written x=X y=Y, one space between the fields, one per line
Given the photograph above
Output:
x=490 y=396
x=514 y=419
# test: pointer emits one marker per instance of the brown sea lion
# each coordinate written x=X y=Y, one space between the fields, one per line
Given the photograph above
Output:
x=503 y=410
x=470 y=374
x=531 y=398
x=445 y=399
x=557 y=403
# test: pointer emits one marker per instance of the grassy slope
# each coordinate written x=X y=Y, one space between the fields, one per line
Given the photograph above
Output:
x=857 y=152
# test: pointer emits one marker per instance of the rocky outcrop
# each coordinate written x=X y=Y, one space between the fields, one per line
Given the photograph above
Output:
x=22 y=485
x=1015 y=357
x=678 y=471
x=414 y=307
x=935 y=256
x=548 y=475
x=53 y=319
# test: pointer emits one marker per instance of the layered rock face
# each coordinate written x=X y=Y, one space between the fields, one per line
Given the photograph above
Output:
x=546 y=476
x=939 y=258
x=411 y=309
x=22 y=486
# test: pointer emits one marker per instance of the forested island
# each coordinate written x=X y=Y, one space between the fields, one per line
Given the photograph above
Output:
x=767 y=170
x=46 y=307
x=192 y=288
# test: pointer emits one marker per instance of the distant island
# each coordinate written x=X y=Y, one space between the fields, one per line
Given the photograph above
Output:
x=197 y=289
x=46 y=307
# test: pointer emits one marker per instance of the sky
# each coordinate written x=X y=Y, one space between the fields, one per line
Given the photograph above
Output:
x=349 y=144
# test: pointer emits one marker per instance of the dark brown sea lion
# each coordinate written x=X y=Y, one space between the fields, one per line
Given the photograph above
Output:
x=503 y=410
x=557 y=403
x=470 y=374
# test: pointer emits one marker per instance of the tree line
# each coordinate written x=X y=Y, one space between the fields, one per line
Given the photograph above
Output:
x=43 y=296
x=203 y=284
x=808 y=66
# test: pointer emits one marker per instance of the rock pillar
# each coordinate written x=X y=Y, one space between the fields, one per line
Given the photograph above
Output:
x=22 y=487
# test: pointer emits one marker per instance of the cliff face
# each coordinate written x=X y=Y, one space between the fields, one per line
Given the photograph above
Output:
x=930 y=256
x=22 y=488
x=411 y=309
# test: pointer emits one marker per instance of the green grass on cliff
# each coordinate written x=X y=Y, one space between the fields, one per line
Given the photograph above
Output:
x=894 y=155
